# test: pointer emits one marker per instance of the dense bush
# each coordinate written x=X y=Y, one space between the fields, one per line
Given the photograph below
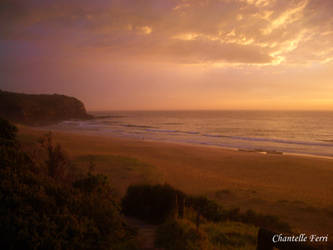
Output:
x=7 y=133
x=212 y=211
x=231 y=235
x=208 y=209
x=156 y=203
x=38 y=210
x=266 y=221
x=153 y=204
x=181 y=235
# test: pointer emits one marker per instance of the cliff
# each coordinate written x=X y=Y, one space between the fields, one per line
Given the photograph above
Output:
x=40 y=109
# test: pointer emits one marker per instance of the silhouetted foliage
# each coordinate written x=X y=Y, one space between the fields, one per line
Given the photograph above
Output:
x=38 y=210
x=212 y=211
x=237 y=238
x=152 y=203
x=156 y=203
x=56 y=161
x=266 y=221
x=7 y=130
x=7 y=133
x=181 y=235
x=209 y=209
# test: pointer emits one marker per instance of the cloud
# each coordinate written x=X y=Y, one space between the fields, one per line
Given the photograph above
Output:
x=179 y=31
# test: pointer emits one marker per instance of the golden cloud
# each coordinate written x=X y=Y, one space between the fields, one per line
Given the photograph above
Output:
x=196 y=31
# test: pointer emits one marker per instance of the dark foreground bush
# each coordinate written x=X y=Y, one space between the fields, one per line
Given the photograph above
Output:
x=40 y=211
x=208 y=209
x=212 y=211
x=7 y=133
x=156 y=203
x=266 y=221
x=152 y=203
x=231 y=235
x=181 y=235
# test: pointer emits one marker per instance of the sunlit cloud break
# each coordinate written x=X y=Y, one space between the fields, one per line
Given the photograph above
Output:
x=278 y=42
x=184 y=31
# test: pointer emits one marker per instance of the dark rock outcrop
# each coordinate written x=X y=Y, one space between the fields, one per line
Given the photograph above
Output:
x=41 y=109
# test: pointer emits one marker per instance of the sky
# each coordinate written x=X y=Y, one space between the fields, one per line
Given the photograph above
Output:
x=171 y=54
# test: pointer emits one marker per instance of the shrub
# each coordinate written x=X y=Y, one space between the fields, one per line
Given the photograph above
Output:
x=181 y=235
x=7 y=132
x=152 y=203
x=266 y=221
x=156 y=203
x=40 y=211
x=234 y=235
x=57 y=162
x=212 y=211
x=209 y=209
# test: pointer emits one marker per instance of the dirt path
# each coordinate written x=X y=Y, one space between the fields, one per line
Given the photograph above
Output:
x=146 y=233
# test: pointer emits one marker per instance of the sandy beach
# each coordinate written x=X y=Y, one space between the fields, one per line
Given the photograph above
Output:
x=298 y=189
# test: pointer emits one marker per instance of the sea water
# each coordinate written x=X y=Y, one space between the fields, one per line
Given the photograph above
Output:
x=300 y=132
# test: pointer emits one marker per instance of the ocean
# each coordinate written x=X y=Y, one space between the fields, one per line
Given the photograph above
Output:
x=293 y=132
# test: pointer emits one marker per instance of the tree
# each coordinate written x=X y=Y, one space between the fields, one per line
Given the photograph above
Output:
x=39 y=210
x=7 y=133
x=57 y=160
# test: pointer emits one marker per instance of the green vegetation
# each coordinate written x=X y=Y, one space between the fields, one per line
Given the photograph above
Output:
x=181 y=234
x=40 y=109
x=231 y=235
x=157 y=203
x=212 y=211
x=45 y=206
x=154 y=204
x=195 y=222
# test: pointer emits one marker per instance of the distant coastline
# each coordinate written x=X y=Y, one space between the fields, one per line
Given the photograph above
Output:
x=43 y=109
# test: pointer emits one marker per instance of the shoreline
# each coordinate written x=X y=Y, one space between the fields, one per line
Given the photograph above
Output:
x=185 y=143
x=264 y=152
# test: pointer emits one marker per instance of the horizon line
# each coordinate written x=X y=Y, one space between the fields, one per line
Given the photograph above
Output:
x=182 y=110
